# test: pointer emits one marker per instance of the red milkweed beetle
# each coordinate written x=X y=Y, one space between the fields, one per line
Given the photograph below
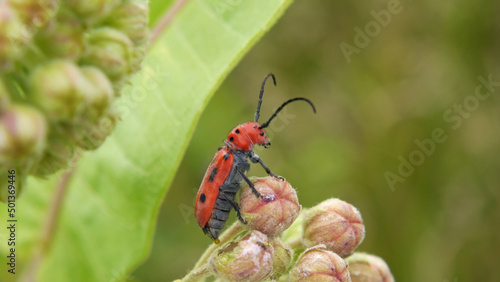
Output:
x=228 y=168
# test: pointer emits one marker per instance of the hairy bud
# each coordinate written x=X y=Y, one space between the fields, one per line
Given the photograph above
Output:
x=275 y=211
x=249 y=259
x=90 y=137
x=35 y=13
x=131 y=18
x=99 y=97
x=93 y=10
x=23 y=133
x=59 y=88
x=13 y=36
x=60 y=150
x=365 y=267
x=336 y=224
x=62 y=38
x=110 y=50
x=319 y=264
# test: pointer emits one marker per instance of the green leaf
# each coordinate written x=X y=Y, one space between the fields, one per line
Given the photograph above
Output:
x=157 y=8
x=106 y=222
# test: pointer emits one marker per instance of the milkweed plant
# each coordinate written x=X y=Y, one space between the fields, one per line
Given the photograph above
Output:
x=62 y=64
x=283 y=242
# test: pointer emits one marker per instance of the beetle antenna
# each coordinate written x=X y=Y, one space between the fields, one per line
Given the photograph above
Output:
x=266 y=124
x=257 y=113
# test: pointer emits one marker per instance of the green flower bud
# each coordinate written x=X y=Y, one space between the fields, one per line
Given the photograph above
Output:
x=62 y=38
x=336 y=224
x=13 y=36
x=319 y=264
x=99 y=97
x=93 y=10
x=368 y=268
x=110 y=50
x=282 y=258
x=23 y=133
x=132 y=19
x=92 y=136
x=275 y=211
x=35 y=13
x=249 y=259
x=58 y=154
x=58 y=88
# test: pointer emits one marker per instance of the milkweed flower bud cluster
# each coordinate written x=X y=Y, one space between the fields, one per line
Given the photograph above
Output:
x=283 y=242
x=62 y=64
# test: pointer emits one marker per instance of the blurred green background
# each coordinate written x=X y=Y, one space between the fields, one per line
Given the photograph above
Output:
x=416 y=74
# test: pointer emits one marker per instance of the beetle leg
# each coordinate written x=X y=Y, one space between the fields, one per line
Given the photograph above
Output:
x=254 y=158
x=249 y=182
x=235 y=207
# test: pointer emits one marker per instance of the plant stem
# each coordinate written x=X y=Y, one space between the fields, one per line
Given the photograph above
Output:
x=47 y=234
x=232 y=231
x=165 y=20
x=197 y=274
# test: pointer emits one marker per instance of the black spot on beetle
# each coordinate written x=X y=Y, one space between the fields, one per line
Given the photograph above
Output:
x=231 y=138
x=203 y=197
x=237 y=131
x=226 y=156
x=261 y=133
x=212 y=174
x=255 y=126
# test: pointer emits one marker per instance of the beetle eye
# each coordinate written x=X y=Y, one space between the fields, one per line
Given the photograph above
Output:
x=255 y=126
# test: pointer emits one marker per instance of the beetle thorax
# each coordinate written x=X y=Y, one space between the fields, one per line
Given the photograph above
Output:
x=244 y=136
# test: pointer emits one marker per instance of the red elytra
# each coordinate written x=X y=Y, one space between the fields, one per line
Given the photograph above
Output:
x=228 y=169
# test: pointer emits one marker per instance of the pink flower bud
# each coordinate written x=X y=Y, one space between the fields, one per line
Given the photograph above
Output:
x=336 y=224
x=366 y=267
x=275 y=211
x=35 y=13
x=23 y=134
x=249 y=259
x=319 y=264
x=13 y=36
